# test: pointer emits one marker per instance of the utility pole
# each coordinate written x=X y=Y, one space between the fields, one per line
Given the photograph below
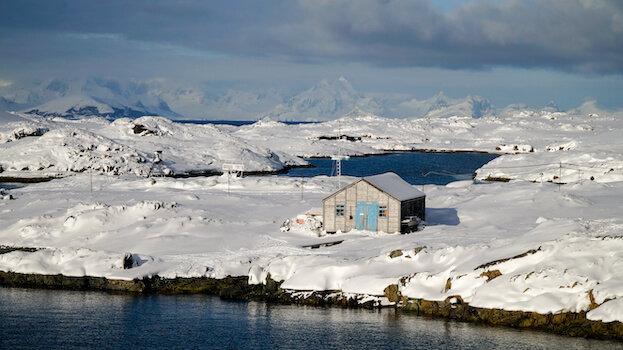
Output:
x=237 y=168
x=559 y=174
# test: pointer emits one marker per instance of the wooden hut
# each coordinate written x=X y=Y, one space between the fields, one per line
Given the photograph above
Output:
x=382 y=202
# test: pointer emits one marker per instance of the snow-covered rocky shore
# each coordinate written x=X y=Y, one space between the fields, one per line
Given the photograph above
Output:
x=528 y=244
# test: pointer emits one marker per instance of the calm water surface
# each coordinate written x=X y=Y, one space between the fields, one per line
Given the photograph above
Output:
x=82 y=320
x=414 y=167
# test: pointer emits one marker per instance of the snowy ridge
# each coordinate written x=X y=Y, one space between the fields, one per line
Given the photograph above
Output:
x=128 y=146
x=79 y=106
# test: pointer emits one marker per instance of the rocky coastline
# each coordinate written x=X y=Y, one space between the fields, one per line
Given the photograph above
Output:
x=238 y=288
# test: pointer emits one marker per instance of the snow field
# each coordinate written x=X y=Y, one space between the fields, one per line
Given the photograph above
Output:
x=528 y=244
x=194 y=227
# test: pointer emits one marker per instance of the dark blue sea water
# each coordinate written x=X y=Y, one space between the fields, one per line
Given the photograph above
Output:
x=31 y=319
x=414 y=167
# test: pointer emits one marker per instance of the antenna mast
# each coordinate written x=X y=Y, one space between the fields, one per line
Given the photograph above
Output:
x=339 y=157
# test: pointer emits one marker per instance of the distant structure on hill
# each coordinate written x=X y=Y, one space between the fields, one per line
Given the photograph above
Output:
x=382 y=202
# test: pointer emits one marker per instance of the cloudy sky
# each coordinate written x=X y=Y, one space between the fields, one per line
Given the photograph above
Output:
x=508 y=51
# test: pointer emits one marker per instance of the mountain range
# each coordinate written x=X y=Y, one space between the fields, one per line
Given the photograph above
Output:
x=112 y=99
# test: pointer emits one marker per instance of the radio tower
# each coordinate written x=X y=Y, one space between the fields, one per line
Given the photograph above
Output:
x=339 y=157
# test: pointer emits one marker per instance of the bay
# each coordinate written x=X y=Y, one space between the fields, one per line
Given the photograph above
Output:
x=87 y=320
x=416 y=168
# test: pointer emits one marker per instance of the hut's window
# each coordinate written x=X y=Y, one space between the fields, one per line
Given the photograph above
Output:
x=383 y=211
x=339 y=210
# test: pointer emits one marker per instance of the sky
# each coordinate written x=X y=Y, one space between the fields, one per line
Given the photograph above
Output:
x=508 y=51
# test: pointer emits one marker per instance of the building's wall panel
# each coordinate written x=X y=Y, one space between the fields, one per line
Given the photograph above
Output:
x=393 y=215
x=351 y=207
x=328 y=214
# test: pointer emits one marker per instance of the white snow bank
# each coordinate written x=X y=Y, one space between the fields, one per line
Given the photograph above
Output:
x=609 y=311
x=75 y=262
x=128 y=146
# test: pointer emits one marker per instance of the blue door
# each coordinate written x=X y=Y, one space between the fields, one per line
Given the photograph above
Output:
x=366 y=216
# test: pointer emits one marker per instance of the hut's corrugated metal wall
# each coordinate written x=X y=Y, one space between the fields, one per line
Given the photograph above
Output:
x=353 y=198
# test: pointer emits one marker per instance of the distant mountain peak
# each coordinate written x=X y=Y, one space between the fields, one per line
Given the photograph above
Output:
x=321 y=84
x=323 y=101
x=441 y=106
x=552 y=107
x=440 y=95
x=57 y=86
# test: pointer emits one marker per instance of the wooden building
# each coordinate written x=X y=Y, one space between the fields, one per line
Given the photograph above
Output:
x=382 y=202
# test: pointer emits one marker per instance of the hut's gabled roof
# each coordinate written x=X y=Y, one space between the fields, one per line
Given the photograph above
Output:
x=394 y=185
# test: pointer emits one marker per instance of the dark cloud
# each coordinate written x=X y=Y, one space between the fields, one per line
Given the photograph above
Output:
x=568 y=35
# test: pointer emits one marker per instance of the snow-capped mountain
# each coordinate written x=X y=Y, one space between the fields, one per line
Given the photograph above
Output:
x=441 y=105
x=74 y=98
x=590 y=108
x=324 y=101
x=77 y=106
x=111 y=99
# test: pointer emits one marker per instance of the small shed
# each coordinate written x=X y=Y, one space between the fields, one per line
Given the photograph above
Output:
x=382 y=202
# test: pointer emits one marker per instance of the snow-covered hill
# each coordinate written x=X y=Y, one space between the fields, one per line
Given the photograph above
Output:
x=39 y=147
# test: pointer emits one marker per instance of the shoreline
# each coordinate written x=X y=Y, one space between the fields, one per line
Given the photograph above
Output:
x=238 y=289
x=213 y=172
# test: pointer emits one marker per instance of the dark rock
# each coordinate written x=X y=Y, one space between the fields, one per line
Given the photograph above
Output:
x=448 y=285
x=491 y=274
x=495 y=262
x=21 y=133
x=393 y=294
x=7 y=249
x=395 y=254
x=142 y=130
x=568 y=323
x=128 y=261
x=235 y=292
x=12 y=279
